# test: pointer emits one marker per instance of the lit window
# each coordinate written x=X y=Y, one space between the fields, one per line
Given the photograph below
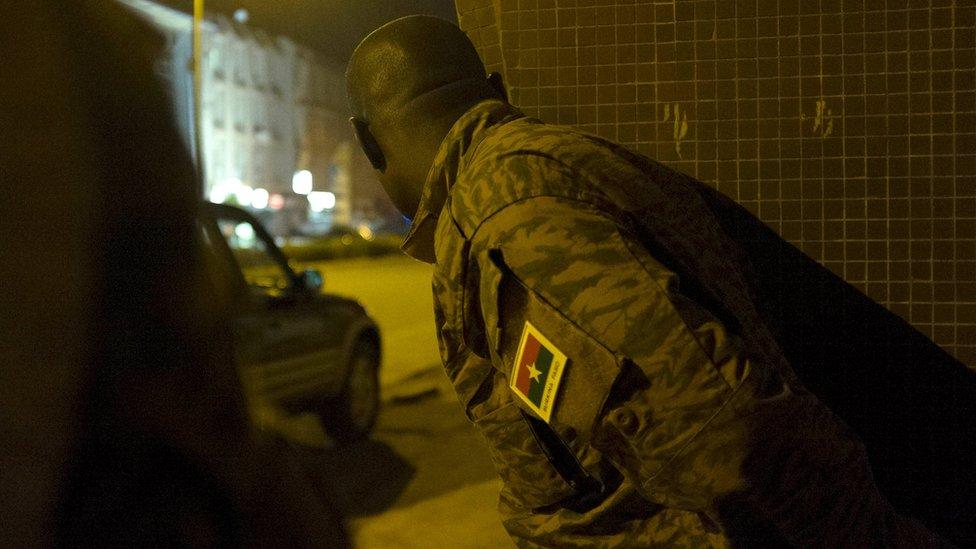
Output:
x=216 y=61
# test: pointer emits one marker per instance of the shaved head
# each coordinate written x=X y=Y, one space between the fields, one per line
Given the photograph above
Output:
x=408 y=82
x=407 y=59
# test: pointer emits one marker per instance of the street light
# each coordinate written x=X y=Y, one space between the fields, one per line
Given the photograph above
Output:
x=301 y=182
x=197 y=89
x=319 y=201
x=260 y=198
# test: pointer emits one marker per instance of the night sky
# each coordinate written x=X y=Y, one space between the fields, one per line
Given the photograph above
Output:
x=333 y=27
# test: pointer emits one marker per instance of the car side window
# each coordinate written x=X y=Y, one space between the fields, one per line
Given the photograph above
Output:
x=262 y=272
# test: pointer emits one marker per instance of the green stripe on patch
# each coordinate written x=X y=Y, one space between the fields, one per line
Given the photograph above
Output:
x=538 y=387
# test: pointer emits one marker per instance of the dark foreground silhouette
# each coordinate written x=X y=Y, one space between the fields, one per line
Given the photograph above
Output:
x=124 y=424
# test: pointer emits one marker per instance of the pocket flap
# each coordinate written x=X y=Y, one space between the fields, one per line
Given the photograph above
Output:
x=528 y=476
x=590 y=369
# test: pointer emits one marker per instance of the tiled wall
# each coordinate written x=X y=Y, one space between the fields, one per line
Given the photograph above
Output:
x=849 y=126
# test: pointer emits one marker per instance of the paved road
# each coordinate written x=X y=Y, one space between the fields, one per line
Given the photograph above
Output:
x=396 y=292
x=424 y=479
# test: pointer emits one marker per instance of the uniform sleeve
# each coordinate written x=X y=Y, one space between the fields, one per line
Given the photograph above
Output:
x=656 y=383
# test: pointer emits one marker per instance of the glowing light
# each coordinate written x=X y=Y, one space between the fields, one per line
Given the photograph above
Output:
x=365 y=232
x=301 y=182
x=244 y=194
x=260 y=198
x=244 y=231
x=223 y=189
x=276 y=201
x=320 y=201
x=241 y=15
x=218 y=195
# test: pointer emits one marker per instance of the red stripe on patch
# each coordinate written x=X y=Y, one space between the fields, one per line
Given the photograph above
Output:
x=529 y=354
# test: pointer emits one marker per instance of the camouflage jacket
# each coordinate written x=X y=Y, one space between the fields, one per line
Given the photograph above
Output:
x=600 y=331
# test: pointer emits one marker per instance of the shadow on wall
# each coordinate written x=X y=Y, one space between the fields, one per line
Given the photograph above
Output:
x=912 y=404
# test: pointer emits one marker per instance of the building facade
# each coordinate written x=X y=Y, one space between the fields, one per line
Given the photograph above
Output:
x=272 y=121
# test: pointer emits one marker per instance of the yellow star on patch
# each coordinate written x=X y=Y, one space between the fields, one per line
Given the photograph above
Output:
x=534 y=372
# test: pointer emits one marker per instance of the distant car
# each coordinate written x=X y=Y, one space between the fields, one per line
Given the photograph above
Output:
x=344 y=234
x=297 y=348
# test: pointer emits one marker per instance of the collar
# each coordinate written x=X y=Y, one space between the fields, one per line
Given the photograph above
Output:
x=464 y=136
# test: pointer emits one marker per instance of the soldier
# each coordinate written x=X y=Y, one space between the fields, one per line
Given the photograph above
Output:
x=599 y=326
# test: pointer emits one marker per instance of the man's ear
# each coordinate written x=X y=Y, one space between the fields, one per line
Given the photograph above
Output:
x=495 y=81
x=368 y=143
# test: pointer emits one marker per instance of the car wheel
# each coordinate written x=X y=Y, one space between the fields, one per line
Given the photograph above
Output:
x=351 y=415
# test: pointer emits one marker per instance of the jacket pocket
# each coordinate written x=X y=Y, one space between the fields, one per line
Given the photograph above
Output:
x=529 y=477
x=507 y=305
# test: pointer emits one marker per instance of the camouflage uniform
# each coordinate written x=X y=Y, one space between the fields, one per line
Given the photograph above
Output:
x=678 y=421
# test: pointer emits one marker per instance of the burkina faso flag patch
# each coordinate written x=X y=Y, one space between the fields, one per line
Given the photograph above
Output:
x=538 y=369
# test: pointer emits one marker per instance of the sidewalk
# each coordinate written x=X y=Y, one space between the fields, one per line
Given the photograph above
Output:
x=414 y=384
x=465 y=519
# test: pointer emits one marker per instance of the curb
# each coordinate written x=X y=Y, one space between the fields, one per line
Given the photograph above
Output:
x=414 y=386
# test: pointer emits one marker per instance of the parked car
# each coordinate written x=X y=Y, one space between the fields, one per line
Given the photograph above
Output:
x=297 y=348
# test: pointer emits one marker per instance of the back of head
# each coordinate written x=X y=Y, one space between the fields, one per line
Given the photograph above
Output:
x=409 y=81
x=415 y=63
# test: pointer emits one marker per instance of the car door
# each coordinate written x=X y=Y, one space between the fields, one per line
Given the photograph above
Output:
x=288 y=345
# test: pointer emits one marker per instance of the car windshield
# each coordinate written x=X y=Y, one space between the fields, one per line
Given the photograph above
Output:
x=261 y=271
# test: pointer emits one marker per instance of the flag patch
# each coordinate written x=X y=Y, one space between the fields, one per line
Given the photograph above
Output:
x=538 y=369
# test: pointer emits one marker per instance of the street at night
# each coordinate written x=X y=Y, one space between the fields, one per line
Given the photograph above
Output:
x=424 y=478
x=478 y=274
